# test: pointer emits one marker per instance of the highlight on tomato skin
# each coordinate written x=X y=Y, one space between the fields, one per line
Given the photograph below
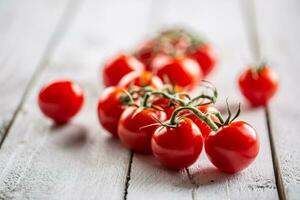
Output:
x=119 y=66
x=134 y=130
x=258 y=85
x=141 y=79
x=206 y=57
x=61 y=100
x=233 y=147
x=183 y=71
x=110 y=109
x=177 y=148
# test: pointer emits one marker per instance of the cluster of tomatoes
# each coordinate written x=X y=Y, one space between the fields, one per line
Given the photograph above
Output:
x=147 y=104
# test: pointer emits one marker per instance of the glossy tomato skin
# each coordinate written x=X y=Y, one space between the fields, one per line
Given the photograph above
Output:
x=61 y=100
x=110 y=109
x=119 y=66
x=177 y=148
x=206 y=58
x=203 y=127
x=258 y=87
x=183 y=71
x=141 y=79
x=233 y=147
x=132 y=132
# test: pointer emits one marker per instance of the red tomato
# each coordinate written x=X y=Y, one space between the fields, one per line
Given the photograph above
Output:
x=119 y=66
x=233 y=147
x=141 y=79
x=258 y=86
x=145 y=53
x=164 y=104
x=110 y=109
x=206 y=58
x=203 y=127
x=61 y=100
x=182 y=71
x=177 y=148
x=131 y=128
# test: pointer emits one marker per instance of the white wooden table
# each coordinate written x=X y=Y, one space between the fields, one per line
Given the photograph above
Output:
x=41 y=40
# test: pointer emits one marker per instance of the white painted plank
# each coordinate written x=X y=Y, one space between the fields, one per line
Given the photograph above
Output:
x=278 y=31
x=26 y=27
x=223 y=24
x=80 y=160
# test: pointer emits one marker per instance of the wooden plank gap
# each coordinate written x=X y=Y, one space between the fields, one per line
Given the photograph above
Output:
x=127 y=182
x=193 y=182
x=277 y=171
x=248 y=8
x=54 y=40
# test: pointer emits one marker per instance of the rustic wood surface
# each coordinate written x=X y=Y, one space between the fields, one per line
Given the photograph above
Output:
x=45 y=40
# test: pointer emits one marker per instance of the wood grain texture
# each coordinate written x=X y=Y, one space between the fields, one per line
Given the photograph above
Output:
x=79 y=160
x=224 y=26
x=278 y=28
x=27 y=30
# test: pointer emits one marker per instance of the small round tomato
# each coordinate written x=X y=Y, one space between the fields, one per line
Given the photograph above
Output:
x=145 y=53
x=182 y=71
x=258 y=85
x=119 y=66
x=110 y=109
x=205 y=56
x=132 y=131
x=177 y=148
x=61 y=100
x=203 y=127
x=141 y=79
x=233 y=147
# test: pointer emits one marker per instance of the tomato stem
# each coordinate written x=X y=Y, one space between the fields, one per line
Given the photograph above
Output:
x=199 y=114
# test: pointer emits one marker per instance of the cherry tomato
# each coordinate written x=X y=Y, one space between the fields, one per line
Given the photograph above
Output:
x=119 y=66
x=61 y=100
x=141 y=79
x=110 y=109
x=132 y=130
x=205 y=56
x=203 y=127
x=182 y=71
x=166 y=105
x=258 y=86
x=145 y=53
x=233 y=147
x=177 y=148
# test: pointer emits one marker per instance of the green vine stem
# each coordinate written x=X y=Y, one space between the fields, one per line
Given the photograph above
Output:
x=198 y=113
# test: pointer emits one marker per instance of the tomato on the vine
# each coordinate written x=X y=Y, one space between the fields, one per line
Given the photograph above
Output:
x=205 y=56
x=182 y=71
x=233 y=147
x=145 y=53
x=133 y=131
x=177 y=147
x=61 y=100
x=119 y=66
x=258 y=85
x=203 y=127
x=166 y=105
x=110 y=109
x=141 y=79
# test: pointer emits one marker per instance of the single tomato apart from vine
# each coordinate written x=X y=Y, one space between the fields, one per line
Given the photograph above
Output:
x=179 y=147
x=61 y=100
x=119 y=66
x=233 y=147
x=258 y=85
x=133 y=128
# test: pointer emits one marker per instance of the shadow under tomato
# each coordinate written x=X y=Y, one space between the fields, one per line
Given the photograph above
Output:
x=70 y=135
